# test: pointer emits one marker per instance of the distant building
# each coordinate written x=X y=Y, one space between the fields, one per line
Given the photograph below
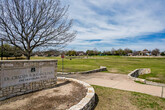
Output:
x=46 y=53
x=23 y=55
x=130 y=54
x=145 y=52
x=36 y=54
x=80 y=53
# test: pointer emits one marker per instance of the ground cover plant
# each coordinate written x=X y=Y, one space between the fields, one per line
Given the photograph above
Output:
x=114 y=99
x=114 y=64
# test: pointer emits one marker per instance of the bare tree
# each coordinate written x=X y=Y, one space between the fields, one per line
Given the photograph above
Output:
x=127 y=51
x=155 y=52
x=113 y=51
x=28 y=24
x=136 y=53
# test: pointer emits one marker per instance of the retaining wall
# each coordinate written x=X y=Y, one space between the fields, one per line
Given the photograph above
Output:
x=23 y=76
x=88 y=102
x=94 y=71
x=135 y=74
x=102 y=68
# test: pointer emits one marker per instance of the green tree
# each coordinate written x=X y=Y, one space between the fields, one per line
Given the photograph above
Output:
x=106 y=53
x=162 y=54
x=71 y=53
x=7 y=50
x=120 y=52
x=90 y=52
x=17 y=52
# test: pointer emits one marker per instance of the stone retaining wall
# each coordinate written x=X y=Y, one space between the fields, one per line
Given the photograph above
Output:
x=88 y=102
x=135 y=74
x=23 y=76
x=102 y=68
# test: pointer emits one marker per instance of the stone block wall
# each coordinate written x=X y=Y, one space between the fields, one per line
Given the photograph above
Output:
x=102 y=68
x=23 y=76
x=94 y=71
x=88 y=102
x=138 y=72
x=135 y=74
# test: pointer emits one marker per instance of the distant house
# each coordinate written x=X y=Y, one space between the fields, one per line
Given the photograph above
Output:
x=46 y=53
x=36 y=54
x=130 y=54
x=80 y=53
x=23 y=55
x=145 y=52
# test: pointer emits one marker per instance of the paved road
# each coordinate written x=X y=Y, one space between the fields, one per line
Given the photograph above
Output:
x=118 y=81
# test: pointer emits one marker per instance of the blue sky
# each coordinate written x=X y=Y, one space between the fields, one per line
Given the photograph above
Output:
x=107 y=24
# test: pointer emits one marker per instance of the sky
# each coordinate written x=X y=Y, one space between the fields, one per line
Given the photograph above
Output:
x=107 y=24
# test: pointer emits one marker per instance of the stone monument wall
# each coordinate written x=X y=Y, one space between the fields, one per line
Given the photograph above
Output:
x=22 y=76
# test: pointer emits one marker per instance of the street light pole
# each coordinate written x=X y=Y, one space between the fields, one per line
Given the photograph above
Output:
x=62 y=65
x=1 y=49
x=62 y=56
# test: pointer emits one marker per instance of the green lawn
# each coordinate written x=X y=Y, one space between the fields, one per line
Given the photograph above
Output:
x=114 y=99
x=114 y=64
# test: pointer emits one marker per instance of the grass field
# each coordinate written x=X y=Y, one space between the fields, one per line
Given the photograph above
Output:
x=114 y=64
x=114 y=99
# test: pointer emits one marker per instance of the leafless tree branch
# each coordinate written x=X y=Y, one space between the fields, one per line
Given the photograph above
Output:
x=28 y=24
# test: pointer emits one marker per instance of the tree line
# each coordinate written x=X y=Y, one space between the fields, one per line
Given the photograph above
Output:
x=10 y=51
x=13 y=51
x=119 y=52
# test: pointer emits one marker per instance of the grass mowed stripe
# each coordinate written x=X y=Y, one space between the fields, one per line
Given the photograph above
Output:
x=114 y=99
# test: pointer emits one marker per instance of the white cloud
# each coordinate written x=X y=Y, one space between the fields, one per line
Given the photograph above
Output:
x=110 y=20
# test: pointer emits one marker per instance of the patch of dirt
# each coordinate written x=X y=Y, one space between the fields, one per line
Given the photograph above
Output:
x=63 y=96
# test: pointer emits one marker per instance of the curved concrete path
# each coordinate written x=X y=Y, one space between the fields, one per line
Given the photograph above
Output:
x=118 y=81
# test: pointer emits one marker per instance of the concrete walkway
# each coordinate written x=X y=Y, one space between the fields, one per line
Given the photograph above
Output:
x=118 y=81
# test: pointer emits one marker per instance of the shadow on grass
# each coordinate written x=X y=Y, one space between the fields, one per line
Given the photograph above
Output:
x=96 y=101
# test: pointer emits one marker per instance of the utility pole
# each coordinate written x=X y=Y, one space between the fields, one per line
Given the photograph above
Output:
x=1 y=49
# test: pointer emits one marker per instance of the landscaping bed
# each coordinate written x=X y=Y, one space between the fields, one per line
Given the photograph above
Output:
x=63 y=96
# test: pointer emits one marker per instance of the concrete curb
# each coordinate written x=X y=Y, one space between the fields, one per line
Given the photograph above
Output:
x=102 y=68
x=88 y=102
